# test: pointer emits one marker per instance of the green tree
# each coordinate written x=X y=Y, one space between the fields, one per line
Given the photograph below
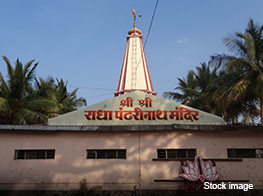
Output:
x=197 y=90
x=244 y=86
x=188 y=88
x=68 y=100
x=21 y=103
x=56 y=96
x=13 y=94
x=42 y=97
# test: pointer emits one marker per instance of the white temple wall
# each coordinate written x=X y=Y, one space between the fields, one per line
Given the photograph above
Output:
x=70 y=164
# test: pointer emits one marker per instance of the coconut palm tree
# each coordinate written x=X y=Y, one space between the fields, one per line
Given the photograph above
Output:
x=69 y=101
x=42 y=97
x=206 y=86
x=13 y=94
x=56 y=97
x=245 y=78
x=188 y=87
x=197 y=90
x=21 y=103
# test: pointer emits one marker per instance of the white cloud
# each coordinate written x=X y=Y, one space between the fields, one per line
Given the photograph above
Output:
x=182 y=40
x=180 y=58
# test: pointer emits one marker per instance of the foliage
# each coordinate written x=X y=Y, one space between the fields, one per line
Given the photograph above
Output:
x=245 y=77
x=234 y=86
x=197 y=89
x=60 y=101
x=13 y=94
x=21 y=103
x=85 y=191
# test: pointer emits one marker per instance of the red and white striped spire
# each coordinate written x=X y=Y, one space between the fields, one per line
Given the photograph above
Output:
x=135 y=74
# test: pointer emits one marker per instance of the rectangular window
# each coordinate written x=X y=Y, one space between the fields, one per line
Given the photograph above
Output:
x=106 y=154
x=244 y=153
x=34 y=154
x=176 y=153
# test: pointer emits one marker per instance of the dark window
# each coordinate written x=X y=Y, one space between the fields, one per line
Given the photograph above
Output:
x=176 y=153
x=91 y=154
x=171 y=153
x=106 y=154
x=245 y=153
x=50 y=154
x=161 y=153
x=34 y=154
x=121 y=154
x=191 y=153
x=181 y=153
x=30 y=154
x=111 y=154
x=20 y=154
x=41 y=154
x=101 y=154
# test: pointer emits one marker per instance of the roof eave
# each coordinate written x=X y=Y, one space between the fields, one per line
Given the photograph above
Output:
x=132 y=128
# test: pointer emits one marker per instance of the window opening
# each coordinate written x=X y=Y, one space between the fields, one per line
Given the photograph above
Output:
x=34 y=154
x=176 y=153
x=106 y=154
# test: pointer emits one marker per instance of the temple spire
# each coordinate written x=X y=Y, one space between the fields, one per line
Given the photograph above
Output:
x=135 y=74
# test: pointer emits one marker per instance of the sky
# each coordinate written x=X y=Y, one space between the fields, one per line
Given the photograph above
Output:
x=83 y=41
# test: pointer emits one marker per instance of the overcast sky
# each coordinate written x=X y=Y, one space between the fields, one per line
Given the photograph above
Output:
x=83 y=41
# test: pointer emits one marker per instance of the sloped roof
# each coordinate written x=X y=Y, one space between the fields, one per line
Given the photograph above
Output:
x=136 y=108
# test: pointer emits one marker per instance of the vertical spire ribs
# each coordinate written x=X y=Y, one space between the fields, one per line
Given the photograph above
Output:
x=135 y=74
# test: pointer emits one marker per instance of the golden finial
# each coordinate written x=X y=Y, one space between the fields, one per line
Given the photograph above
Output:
x=134 y=24
x=134 y=30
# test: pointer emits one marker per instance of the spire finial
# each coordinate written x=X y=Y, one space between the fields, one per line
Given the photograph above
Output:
x=134 y=30
x=134 y=24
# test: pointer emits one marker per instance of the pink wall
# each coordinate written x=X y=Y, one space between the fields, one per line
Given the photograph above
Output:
x=70 y=164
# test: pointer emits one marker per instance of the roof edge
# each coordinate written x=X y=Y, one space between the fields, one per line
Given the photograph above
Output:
x=173 y=127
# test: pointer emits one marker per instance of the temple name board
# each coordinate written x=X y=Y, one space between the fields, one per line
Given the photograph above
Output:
x=139 y=114
x=136 y=108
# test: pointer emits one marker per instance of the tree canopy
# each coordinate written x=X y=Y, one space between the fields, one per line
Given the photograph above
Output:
x=234 y=87
x=24 y=99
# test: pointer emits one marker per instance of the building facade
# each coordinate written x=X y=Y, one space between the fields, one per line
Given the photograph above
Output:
x=133 y=139
x=120 y=157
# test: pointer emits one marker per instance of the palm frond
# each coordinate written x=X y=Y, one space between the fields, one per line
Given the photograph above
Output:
x=4 y=106
x=4 y=90
x=10 y=69
x=220 y=60
x=26 y=116
x=43 y=105
x=31 y=72
x=173 y=95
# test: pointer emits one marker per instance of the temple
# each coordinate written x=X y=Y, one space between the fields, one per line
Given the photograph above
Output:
x=135 y=139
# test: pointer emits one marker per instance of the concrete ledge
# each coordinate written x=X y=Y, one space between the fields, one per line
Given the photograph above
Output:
x=165 y=127
x=185 y=159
